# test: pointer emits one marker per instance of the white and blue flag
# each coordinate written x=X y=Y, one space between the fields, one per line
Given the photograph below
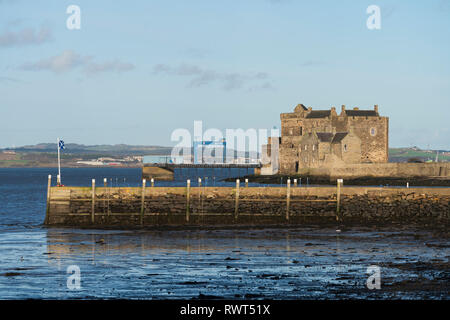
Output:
x=61 y=144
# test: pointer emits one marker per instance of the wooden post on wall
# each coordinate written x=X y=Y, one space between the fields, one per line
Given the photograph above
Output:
x=143 y=201
x=106 y=200
x=338 y=198
x=47 y=211
x=288 y=197
x=93 y=202
x=188 y=191
x=108 y=194
x=236 y=204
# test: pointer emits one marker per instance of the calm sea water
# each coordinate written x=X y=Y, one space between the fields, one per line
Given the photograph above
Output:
x=308 y=262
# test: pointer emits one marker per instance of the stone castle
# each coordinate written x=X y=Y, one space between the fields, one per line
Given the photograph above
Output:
x=323 y=138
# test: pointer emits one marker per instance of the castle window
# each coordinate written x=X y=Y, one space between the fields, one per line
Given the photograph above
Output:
x=301 y=131
x=345 y=147
x=373 y=132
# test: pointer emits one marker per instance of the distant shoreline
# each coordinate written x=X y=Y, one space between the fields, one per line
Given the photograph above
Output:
x=65 y=166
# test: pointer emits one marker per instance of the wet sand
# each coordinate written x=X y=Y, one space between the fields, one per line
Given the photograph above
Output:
x=296 y=263
x=308 y=262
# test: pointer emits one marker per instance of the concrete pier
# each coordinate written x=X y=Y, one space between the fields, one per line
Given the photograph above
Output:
x=165 y=171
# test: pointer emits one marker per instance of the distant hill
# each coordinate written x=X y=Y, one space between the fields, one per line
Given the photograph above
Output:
x=110 y=150
x=405 y=154
x=43 y=153
x=103 y=150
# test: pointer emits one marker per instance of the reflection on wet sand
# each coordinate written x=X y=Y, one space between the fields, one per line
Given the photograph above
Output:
x=293 y=263
x=65 y=243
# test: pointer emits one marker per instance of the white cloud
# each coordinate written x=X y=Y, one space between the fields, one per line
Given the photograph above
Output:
x=69 y=60
x=60 y=63
x=311 y=63
x=110 y=66
x=26 y=36
x=9 y=79
x=226 y=80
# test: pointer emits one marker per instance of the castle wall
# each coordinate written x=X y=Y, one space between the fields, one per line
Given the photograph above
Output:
x=370 y=129
x=324 y=149
x=350 y=149
x=374 y=146
x=288 y=156
x=340 y=124
x=309 y=151
x=316 y=125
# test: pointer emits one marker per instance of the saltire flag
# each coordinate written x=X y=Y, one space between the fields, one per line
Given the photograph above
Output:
x=61 y=144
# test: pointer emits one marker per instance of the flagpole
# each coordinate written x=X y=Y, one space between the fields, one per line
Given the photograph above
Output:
x=59 y=165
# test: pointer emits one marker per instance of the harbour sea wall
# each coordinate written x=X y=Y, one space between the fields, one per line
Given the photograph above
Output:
x=148 y=206
x=393 y=170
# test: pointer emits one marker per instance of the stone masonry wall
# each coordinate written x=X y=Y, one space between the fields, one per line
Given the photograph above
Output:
x=165 y=206
x=373 y=132
x=395 y=170
x=371 y=129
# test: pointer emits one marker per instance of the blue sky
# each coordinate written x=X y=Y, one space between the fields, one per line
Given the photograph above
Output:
x=137 y=70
